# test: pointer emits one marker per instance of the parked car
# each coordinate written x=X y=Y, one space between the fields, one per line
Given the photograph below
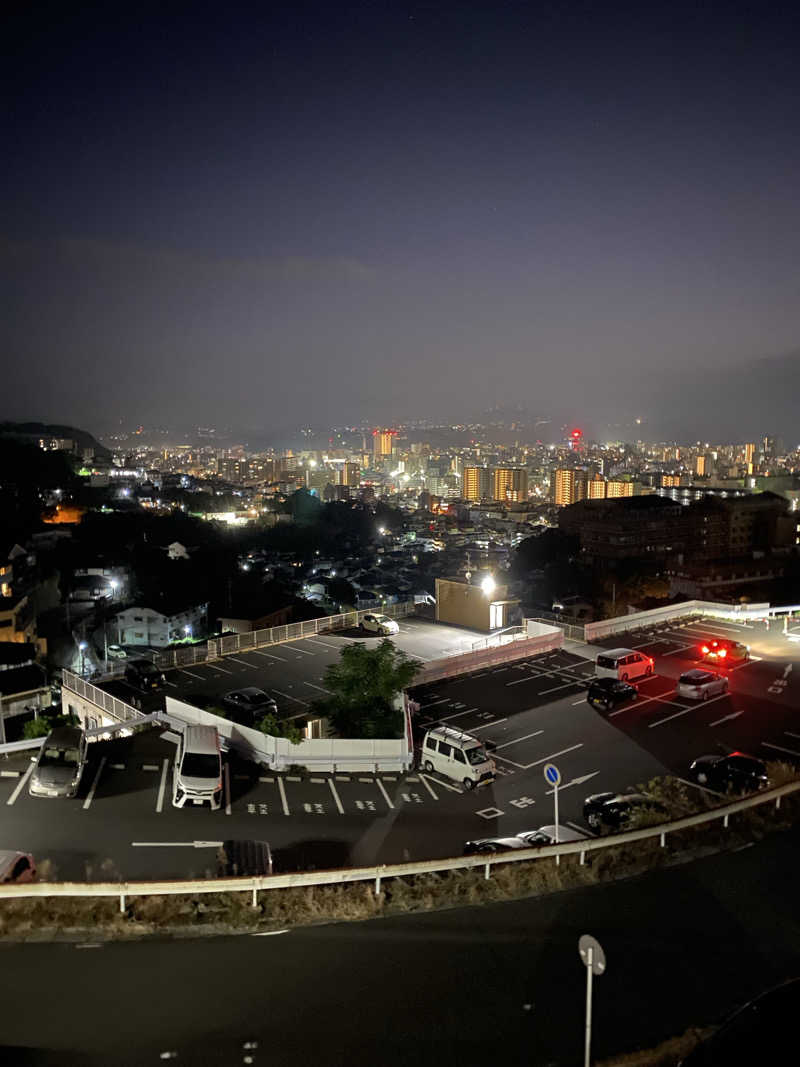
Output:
x=490 y=845
x=624 y=664
x=144 y=675
x=379 y=624
x=116 y=652
x=545 y=835
x=723 y=651
x=58 y=767
x=251 y=701
x=16 y=868
x=607 y=693
x=737 y=772
x=611 y=811
x=701 y=685
x=197 y=772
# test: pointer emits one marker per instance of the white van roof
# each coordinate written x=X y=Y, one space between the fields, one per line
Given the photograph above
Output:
x=456 y=737
x=201 y=739
x=615 y=653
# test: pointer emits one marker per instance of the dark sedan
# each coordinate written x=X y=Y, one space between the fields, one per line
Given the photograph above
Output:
x=735 y=773
x=611 y=811
x=251 y=701
x=607 y=693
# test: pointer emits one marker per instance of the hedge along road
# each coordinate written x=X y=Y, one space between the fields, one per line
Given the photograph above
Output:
x=499 y=983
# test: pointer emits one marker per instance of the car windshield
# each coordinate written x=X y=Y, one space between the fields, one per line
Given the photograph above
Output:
x=476 y=755
x=59 y=757
x=200 y=766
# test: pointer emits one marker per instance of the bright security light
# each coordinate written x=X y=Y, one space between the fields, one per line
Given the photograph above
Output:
x=488 y=585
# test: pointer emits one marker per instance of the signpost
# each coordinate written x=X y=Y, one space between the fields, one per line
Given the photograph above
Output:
x=552 y=775
x=594 y=959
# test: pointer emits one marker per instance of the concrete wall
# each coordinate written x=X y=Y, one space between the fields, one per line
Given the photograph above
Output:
x=549 y=638
x=595 y=631
x=466 y=605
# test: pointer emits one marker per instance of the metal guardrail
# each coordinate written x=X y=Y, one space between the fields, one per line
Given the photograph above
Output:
x=465 y=662
x=112 y=705
x=383 y=872
x=572 y=631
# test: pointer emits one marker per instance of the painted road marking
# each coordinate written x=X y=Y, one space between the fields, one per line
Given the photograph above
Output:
x=269 y=933
x=117 y=766
x=269 y=655
x=318 y=781
x=177 y=844
x=90 y=795
x=19 y=785
x=661 y=697
x=727 y=718
x=290 y=697
x=424 y=779
x=282 y=790
x=183 y=670
x=214 y=667
x=563 y=752
x=779 y=748
x=380 y=786
x=227 y=789
x=293 y=778
x=790 y=734
x=10 y=774
x=266 y=779
x=149 y=766
x=574 y=781
x=243 y=662
x=336 y=796
x=485 y=725
x=433 y=703
x=675 y=651
x=302 y=651
x=457 y=715
x=325 y=644
x=567 y=685
x=489 y=813
x=162 y=786
x=685 y=711
x=518 y=739
x=312 y=686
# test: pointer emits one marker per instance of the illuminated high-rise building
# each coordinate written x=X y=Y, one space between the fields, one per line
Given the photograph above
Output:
x=569 y=486
x=701 y=465
x=348 y=474
x=596 y=487
x=475 y=483
x=616 y=488
x=670 y=480
x=749 y=456
x=382 y=441
x=510 y=484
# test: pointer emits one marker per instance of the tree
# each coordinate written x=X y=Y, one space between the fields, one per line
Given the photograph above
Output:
x=34 y=728
x=364 y=687
x=270 y=725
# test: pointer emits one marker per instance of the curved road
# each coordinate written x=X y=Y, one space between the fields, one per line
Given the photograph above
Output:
x=498 y=984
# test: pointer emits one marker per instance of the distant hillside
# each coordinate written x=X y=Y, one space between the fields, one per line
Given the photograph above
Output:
x=45 y=429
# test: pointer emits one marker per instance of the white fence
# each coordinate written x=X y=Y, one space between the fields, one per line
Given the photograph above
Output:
x=382 y=873
x=489 y=657
x=320 y=754
x=111 y=705
x=595 y=631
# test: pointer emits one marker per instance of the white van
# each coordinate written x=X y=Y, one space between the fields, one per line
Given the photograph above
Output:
x=623 y=663
x=458 y=756
x=198 y=768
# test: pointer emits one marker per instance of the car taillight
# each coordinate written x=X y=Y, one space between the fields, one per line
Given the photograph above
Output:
x=723 y=652
x=705 y=650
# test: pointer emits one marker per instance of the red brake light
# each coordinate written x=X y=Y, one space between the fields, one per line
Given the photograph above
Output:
x=705 y=650
x=722 y=653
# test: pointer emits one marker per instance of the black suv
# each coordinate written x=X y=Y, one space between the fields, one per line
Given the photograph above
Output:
x=736 y=773
x=611 y=811
x=606 y=693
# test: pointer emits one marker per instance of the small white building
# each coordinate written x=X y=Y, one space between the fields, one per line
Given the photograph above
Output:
x=154 y=629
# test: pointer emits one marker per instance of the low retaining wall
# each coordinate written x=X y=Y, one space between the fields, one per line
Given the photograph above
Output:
x=549 y=638
x=596 y=631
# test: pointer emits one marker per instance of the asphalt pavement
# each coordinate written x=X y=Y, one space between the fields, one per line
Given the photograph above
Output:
x=500 y=984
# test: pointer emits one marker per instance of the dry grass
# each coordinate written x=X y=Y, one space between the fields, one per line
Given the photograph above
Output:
x=667 y=1054
x=85 y=917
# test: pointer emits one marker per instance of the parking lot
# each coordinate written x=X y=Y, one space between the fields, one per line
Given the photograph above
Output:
x=123 y=824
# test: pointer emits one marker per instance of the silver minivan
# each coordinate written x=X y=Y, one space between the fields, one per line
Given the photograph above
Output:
x=58 y=767
x=197 y=777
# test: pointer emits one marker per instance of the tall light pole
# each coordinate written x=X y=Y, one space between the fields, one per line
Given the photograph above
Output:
x=82 y=650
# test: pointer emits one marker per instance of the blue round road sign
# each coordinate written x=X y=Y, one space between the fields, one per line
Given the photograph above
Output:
x=552 y=774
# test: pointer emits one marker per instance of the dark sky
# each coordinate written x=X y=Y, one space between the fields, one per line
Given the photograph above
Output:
x=323 y=213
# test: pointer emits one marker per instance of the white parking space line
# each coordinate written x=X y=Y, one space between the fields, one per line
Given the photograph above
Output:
x=324 y=644
x=433 y=703
x=282 y=790
x=685 y=711
x=790 y=734
x=727 y=718
x=380 y=786
x=486 y=725
x=718 y=632
x=457 y=714
x=90 y=795
x=227 y=789
x=290 y=697
x=780 y=748
x=563 y=752
x=567 y=685
x=19 y=786
x=177 y=844
x=336 y=796
x=518 y=739
x=184 y=671
x=527 y=678
x=244 y=663
x=660 y=697
x=303 y=651
x=424 y=779
x=162 y=786
x=269 y=655
x=312 y=686
x=214 y=667
x=676 y=651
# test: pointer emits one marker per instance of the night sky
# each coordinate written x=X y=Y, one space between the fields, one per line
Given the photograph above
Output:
x=318 y=214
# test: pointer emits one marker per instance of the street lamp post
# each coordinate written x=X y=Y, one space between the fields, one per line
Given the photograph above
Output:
x=82 y=650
